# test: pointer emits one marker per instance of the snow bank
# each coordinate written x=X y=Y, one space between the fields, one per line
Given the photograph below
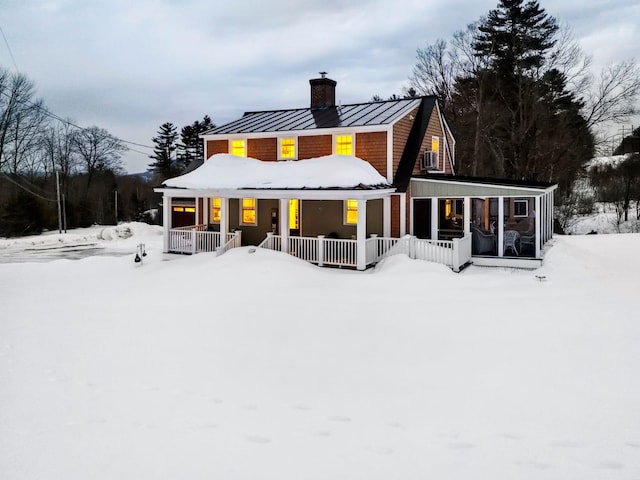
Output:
x=229 y=171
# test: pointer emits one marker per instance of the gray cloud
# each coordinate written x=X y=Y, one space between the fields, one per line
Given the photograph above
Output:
x=130 y=66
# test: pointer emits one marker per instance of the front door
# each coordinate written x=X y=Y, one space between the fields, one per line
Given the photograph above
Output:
x=422 y=218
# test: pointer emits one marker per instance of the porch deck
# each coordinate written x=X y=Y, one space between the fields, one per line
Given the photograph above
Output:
x=323 y=251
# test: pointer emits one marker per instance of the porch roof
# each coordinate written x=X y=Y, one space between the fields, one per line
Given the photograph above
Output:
x=329 y=177
x=457 y=186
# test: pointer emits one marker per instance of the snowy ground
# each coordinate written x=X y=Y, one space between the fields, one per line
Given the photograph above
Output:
x=259 y=366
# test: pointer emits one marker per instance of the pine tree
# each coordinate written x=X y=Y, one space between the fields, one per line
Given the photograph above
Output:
x=191 y=146
x=164 y=165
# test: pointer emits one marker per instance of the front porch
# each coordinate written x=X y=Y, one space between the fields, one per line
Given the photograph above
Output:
x=324 y=251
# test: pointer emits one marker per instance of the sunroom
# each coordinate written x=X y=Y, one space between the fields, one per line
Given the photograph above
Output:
x=509 y=221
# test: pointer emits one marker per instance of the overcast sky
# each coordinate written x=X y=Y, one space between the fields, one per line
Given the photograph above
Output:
x=129 y=66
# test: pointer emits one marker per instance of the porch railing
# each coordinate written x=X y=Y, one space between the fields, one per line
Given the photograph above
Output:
x=195 y=239
x=328 y=251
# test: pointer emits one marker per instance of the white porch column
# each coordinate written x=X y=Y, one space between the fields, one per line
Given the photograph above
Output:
x=551 y=209
x=434 y=218
x=501 y=226
x=166 y=221
x=197 y=217
x=206 y=201
x=361 y=236
x=386 y=217
x=403 y=214
x=537 y=221
x=284 y=225
x=467 y=215
x=224 y=220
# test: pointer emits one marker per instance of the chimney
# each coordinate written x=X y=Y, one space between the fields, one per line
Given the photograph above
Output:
x=323 y=92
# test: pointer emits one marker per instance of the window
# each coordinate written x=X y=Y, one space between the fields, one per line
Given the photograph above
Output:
x=294 y=214
x=248 y=212
x=520 y=208
x=185 y=209
x=344 y=144
x=239 y=148
x=435 y=144
x=215 y=210
x=351 y=212
x=287 y=149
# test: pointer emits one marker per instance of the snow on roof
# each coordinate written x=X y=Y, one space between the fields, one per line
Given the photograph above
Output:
x=225 y=171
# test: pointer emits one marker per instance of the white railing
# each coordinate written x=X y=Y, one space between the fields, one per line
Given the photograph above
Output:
x=328 y=251
x=196 y=239
x=234 y=240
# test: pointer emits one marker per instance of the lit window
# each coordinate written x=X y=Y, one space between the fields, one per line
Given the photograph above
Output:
x=294 y=214
x=215 y=210
x=178 y=209
x=344 y=144
x=248 y=211
x=435 y=144
x=351 y=212
x=190 y=209
x=287 y=148
x=238 y=148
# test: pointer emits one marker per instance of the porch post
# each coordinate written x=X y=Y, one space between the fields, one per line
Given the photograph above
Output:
x=537 y=221
x=166 y=221
x=284 y=225
x=501 y=226
x=434 y=218
x=197 y=218
x=205 y=211
x=403 y=214
x=386 y=217
x=361 y=236
x=224 y=219
x=467 y=215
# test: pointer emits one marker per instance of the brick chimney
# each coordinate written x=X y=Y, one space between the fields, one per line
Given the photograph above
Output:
x=323 y=92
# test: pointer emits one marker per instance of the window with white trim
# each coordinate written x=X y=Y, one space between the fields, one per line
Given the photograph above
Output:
x=344 y=144
x=520 y=208
x=351 y=212
x=238 y=147
x=287 y=148
x=248 y=211
x=215 y=210
x=435 y=145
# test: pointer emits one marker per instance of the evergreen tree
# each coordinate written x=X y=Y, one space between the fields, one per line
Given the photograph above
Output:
x=191 y=146
x=164 y=165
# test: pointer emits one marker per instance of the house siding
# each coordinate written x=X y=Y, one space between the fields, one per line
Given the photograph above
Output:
x=217 y=146
x=401 y=132
x=314 y=146
x=263 y=149
x=434 y=129
x=372 y=147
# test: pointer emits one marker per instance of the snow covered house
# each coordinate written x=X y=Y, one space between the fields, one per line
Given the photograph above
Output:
x=344 y=185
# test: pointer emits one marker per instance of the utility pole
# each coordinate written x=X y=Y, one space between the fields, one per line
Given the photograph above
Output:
x=59 y=206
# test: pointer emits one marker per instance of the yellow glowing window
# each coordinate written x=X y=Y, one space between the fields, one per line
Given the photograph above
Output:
x=344 y=144
x=215 y=209
x=435 y=144
x=178 y=209
x=190 y=209
x=249 y=211
x=294 y=214
x=239 y=148
x=288 y=148
x=351 y=212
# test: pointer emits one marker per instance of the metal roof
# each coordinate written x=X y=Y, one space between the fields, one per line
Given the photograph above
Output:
x=343 y=116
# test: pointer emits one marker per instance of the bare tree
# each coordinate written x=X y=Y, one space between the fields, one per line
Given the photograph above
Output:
x=21 y=119
x=98 y=151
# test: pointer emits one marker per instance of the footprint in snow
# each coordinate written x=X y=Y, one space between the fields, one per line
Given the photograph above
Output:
x=257 y=439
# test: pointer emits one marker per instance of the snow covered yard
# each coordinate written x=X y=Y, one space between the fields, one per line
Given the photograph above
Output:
x=259 y=366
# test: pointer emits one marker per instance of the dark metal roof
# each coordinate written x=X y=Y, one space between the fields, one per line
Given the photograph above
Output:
x=356 y=115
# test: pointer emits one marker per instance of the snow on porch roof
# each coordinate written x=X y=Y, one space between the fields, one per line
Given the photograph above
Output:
x=225 y=171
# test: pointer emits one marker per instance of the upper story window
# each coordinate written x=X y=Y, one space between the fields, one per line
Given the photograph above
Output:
x=287 y=148
x=344 y=144
x=238 y=148
x=435 y=144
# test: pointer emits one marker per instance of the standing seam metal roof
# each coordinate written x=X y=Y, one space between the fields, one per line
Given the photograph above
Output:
x=345 y=116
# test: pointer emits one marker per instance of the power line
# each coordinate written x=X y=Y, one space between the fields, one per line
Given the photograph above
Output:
x=7 y=177
x=6 y=42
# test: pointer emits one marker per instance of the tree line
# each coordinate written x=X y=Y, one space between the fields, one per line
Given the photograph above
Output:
x=520 y=98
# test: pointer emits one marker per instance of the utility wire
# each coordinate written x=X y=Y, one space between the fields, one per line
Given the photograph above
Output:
x=6 y=42
x=7 y=177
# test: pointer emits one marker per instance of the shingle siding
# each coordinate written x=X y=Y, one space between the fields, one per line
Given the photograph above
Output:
x=314 y=146
x=372 y=147
x=263 y=148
